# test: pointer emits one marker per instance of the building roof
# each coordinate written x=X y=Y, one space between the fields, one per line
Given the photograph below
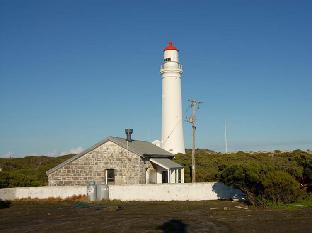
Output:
x=165 y=163
x=141 y=148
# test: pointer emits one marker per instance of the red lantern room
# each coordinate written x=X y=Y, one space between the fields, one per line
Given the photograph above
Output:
x=170 y=46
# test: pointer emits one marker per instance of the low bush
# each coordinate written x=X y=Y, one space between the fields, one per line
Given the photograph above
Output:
x=280 y=187
x=263 y=185
x=265 y=178
x=17 y=179
x=28 y=171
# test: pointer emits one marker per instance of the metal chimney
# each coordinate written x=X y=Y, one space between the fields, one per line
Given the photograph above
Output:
x=128 y=133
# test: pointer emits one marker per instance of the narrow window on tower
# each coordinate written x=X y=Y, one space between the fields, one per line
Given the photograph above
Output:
x=167 y=59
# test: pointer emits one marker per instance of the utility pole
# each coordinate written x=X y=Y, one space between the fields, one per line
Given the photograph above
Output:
x=194 y=104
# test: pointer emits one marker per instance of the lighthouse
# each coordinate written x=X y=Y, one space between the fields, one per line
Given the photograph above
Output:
x=172 y=138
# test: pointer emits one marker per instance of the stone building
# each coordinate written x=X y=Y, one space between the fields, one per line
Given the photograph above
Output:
x=118 y=161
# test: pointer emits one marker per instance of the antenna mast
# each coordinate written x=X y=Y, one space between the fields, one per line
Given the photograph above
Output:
x=194 y=104
x=225 y=138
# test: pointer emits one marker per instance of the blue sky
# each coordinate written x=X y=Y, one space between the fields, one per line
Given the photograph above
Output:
x=74 y=72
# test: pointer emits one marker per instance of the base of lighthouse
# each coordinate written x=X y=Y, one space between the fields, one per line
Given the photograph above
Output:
x=172 y=129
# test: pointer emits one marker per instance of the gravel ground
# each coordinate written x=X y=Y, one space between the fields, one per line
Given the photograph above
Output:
x=182 y=217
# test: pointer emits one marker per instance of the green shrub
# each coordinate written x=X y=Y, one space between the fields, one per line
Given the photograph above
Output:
x=245 y=177
x=265 y=178
x=305 y=161
x=280 y=187
x=28 y=171
x=16 y=179
x=262 y=184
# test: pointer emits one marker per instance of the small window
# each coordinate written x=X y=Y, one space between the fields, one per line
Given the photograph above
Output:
x=167 y=59
x=110 y=176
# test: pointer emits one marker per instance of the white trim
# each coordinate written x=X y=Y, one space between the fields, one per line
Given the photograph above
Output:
x=105 y=176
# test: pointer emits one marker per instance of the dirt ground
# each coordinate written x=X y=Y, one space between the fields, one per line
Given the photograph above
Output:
x=182 y=217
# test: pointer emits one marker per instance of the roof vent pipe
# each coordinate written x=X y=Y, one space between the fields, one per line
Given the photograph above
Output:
x=128 y=133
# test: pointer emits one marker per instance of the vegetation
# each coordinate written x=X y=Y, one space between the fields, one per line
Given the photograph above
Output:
x=266 y=178
x=273 y=178
x=28 y=171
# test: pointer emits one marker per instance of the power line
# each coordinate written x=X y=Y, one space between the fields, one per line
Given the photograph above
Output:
x=194 y=104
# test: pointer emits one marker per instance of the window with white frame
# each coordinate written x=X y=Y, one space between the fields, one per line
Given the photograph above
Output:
x=110 y=176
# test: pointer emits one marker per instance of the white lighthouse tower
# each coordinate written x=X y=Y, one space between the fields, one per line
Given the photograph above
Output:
x=172 y=138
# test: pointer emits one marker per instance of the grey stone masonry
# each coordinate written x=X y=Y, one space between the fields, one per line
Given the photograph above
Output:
x=129 y=167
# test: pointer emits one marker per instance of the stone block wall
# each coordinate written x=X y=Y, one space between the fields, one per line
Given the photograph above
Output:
x=129 y=167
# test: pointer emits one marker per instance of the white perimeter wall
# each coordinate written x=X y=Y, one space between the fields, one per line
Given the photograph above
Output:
x=142 y=192
x=173 y=192
x=42 y=192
